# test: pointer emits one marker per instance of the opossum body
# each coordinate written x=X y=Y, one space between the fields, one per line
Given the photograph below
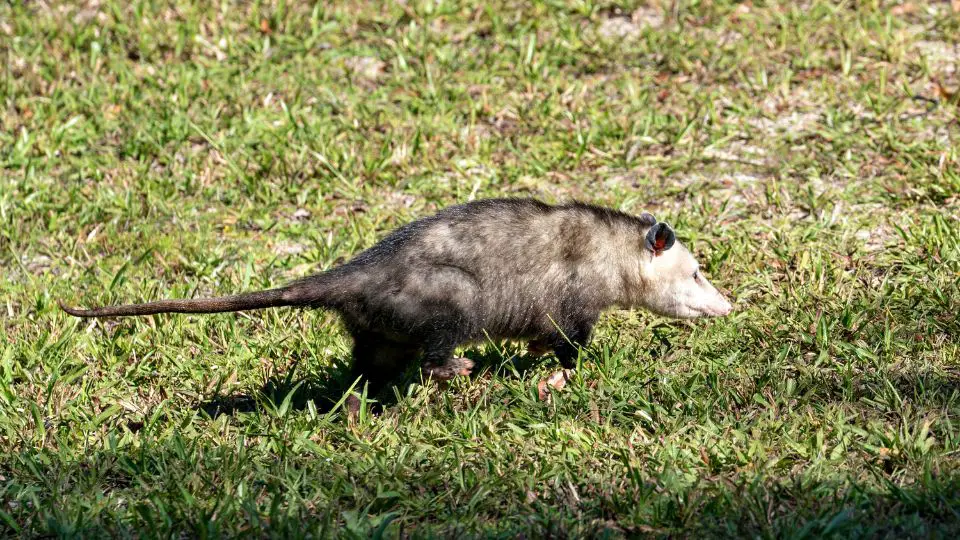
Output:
x=497 y=268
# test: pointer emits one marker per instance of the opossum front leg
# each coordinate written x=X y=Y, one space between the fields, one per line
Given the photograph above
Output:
x=539 y=347
x=566 y=340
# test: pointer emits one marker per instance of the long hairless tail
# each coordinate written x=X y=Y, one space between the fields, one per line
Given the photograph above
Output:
x=296 y=294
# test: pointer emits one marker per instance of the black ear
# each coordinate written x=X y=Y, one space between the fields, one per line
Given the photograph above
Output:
x=660 y=238
x=647 y=219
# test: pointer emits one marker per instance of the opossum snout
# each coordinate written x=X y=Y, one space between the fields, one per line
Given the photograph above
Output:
x=719 y=308
x=695 y=298
x=712 y=303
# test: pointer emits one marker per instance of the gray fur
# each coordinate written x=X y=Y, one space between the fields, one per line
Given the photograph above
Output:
x=503 y=268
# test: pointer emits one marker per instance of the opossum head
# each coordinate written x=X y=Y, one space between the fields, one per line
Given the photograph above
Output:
x=674 y=286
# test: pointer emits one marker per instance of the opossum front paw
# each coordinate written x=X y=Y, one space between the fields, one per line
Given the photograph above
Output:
x=450 y=369
x=554 y=383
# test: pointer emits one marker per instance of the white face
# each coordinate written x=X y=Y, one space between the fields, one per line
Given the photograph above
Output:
x=676 y=287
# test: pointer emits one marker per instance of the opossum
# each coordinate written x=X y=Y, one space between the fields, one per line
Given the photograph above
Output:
x=515 y=269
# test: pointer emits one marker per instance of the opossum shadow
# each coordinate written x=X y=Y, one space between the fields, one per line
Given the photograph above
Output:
x=324 y=391
x=329 y=390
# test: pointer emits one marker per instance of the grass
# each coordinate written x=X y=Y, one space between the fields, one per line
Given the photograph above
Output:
x=165 y=149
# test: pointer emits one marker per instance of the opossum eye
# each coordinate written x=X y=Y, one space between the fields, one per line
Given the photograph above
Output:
x=696 y=274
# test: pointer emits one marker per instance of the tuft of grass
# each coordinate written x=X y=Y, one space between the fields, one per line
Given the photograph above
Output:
x=162 y=149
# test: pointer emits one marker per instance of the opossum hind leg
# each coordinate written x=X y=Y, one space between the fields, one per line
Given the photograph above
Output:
x=449 y=369
x=379 y=360
x=439 y=362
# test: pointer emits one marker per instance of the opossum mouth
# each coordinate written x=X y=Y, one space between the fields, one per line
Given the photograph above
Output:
x=686 y=311
x=713 y=311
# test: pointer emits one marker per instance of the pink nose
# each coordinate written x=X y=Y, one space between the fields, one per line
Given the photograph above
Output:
x=724 y=307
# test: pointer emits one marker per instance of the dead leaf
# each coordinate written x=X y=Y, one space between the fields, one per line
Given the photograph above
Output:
x=352 y=406
x=955 y=5
x=903 y=9
x=943 y=93
x=618 y=28
x=265 y=26
x=365 y=67
x=111 y=111
x=542 y=390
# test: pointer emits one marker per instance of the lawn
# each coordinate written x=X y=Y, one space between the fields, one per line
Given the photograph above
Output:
x=806 y=151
